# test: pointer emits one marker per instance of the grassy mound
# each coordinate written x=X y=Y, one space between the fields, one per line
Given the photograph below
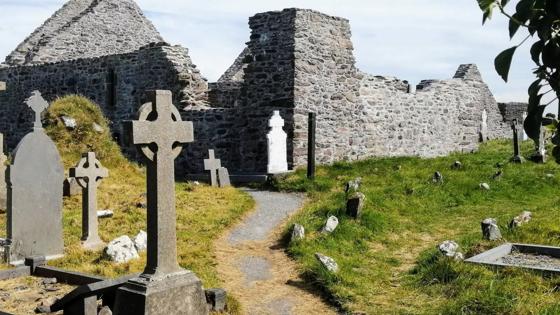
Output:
x=388 y=260
x=203 y=212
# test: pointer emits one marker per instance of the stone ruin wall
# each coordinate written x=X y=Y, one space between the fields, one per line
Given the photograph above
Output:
x=87 y=29
x=116 y=82
x=301 y=60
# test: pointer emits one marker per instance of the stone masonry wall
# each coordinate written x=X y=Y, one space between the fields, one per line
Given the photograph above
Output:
x=86 y=29
x=117 y=83
x=301 y=61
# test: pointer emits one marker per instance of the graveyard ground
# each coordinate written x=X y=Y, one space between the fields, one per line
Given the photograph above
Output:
x=203 y=212
x=388 y=259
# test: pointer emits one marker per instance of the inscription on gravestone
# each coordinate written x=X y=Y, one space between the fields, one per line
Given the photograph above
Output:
x=35 y=193
x=88 y=173
x=164 y=287
x=213 y=165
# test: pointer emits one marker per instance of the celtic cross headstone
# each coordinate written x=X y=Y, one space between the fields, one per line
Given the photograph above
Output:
x=88 y=173
x=164 y=287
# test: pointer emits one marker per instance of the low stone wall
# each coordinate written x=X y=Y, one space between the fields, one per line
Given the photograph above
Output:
x=117 y=83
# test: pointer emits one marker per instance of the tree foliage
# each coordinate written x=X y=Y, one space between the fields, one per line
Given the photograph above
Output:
x=541 y=21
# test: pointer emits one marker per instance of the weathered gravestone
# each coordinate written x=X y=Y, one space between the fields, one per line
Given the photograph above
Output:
x=484 y=127
x=213 y=165
x=88 y=173
x=223 y=177
x=277 y=146
x=517 y=158
x=35 y=193
x=540 y=149
x=3 y=188
x=164 y=287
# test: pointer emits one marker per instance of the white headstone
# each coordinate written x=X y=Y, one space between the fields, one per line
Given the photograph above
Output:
x=484 y=126
x=3 y=189
x=525 y=136
x=277 y=146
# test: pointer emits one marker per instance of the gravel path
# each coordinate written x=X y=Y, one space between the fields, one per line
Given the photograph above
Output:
x=255 y=267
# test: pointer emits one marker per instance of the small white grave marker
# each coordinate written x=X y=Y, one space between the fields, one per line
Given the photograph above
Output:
x=277 y=147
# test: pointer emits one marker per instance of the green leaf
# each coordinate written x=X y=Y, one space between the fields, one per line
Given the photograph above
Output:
x=534 y=88
x=533 y=123
x=486 y=6
x=513 y=26
x=536 y=51
x=502 y=63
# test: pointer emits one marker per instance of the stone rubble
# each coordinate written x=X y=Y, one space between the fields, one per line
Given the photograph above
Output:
x=490 y=229
x=327 y=262
x=298 y=233
x=141 y=241
x=355 y=205
x=330 y=225
x=121 y=250
x=521 y=219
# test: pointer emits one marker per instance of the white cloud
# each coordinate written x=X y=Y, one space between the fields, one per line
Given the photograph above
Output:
x=410 y=39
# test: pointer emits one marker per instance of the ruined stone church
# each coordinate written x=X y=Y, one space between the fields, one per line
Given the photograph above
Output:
x=296 y=61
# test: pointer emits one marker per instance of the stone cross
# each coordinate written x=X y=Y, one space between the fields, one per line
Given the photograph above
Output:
x=88 y=173
x=159 y=133
x=277 y=146
x=38 y=105
x=517 y=158
x=213 y=165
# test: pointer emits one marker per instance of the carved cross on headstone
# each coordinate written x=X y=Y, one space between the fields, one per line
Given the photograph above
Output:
x=38 y=105
x=517 y=158
x=159 y=133
x=213 y=165
x=88 y=173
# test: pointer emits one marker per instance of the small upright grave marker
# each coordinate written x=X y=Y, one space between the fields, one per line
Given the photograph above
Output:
x=517 y=158
x=88 y=173
x=35 y=193
x=540 y=149
x=213 y=165
x=223 y=177
x=3 y=188
x=277 y=146
x=164 y=287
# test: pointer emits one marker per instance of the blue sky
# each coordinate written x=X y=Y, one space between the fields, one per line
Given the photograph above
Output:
x=409 y=39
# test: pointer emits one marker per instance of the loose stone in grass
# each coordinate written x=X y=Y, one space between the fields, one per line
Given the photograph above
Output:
x=121 y=250
x=353 y=185
x=484 y=186
x=521 y=219
x=490 y=229
x=330 y=226
x=97 y=128
x=327 y=262
x=141 y=241
x=103 y=214
x=498 y=175
x=549 y=175
x=457 y=165
x=437 y=178
x=216 y=299
x=298 y=233
x=355 y=204
x=69 y=122
x=450 y=249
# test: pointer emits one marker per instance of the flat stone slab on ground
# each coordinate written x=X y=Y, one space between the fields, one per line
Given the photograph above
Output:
x=255 y=268
x=536 y=257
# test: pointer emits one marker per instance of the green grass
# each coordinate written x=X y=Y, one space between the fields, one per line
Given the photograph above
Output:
x=203 y=212
x=388 y=258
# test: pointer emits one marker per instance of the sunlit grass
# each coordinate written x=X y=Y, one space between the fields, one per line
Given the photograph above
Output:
x=388 y=260
x=203 y=213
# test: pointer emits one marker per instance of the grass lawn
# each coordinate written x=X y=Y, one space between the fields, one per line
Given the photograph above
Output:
x=203 y=212
x=388 y=259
